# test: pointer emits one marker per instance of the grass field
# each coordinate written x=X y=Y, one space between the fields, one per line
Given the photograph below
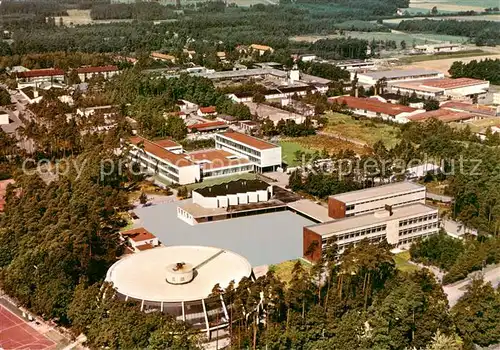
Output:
x=478 y=125
x=464 y=54
x=288 y=149
x=363 y=130
x=402 y=264
x=284 y=270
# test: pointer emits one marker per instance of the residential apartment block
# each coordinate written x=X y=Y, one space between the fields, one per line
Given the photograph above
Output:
x=265 y=155
x=376 y=198
x=400 y=226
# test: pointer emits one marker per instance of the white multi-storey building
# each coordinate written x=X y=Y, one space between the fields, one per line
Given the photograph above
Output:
x=265 y=155
x=166 y=164
x=375 y=198
x=167 y=159
x=399 y=226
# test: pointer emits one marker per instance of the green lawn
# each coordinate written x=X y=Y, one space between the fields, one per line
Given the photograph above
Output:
x=284 y=269
x=288 y=149
x=402 y=264
x=421 y=58
x=220 y=180
x=366 y=131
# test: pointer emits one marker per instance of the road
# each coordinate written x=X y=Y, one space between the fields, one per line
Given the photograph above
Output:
x=456 y=290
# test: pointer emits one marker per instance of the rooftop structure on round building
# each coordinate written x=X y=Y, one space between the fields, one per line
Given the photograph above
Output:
x=178 y=280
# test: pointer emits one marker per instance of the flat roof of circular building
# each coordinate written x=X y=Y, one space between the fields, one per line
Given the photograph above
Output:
x=143 y=275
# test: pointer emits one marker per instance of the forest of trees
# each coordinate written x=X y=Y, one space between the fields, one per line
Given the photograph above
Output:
x=456 y=257
x=482 y=32
x=141 y=11
x=487 y=69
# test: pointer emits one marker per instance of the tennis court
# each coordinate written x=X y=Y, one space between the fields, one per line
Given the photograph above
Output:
x=16 y=333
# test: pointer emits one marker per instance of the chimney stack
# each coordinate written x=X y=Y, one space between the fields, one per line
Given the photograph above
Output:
x=389 y=209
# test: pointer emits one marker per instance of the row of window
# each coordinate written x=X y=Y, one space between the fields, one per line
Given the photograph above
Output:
x=419 y=219
x=384 y=198
x=237 y=145
x=408 y=231
x=155 y=161
x=382 y=207
x=414 y=239
x=375 y=239
x=227 y=171
x=362 y=232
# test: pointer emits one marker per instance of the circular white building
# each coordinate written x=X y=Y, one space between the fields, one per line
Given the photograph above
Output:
x=178 y=280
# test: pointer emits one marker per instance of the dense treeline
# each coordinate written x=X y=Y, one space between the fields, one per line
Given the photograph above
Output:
x=142 y=11
x=483 y=32
x=487 y=69
x=151 y=99
x=324 y=70
x=44 y=8
x=58 y=59
x=340 y=48
x=458 y=258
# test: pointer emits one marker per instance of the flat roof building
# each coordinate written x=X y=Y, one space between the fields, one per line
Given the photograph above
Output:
x=444 y=88
x=399 y=226
x=265 y=155
x=397 y=75
x=178 y=280
x=375 y=198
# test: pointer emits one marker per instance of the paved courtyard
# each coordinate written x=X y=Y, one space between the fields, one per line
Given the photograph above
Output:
x=262 y=239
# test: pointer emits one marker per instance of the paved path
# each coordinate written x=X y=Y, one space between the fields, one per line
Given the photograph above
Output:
x=438 y=197
x=456 y=290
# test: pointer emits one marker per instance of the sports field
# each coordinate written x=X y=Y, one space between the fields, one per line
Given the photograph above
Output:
x=16 y=333
x=410 y=39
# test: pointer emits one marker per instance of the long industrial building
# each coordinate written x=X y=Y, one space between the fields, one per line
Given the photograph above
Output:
x=444 y=88
x=396 y=76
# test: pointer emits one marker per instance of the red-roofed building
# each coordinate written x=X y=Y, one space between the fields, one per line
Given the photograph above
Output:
x=373 y=108
x=85 y=73
x=208 y=127
x=139 y=239
x=40 y=75
x=207 y=111
x=444 y=88
x=444 y=115
x=471 y=108
x=156 y=160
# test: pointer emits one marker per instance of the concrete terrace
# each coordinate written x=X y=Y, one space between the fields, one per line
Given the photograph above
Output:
x=263 y=239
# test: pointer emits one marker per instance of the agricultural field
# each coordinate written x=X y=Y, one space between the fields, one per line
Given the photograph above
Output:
x=444 y=65
x=362 y=130
x=454 y=5
x=310 y=144
x=495 y=18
